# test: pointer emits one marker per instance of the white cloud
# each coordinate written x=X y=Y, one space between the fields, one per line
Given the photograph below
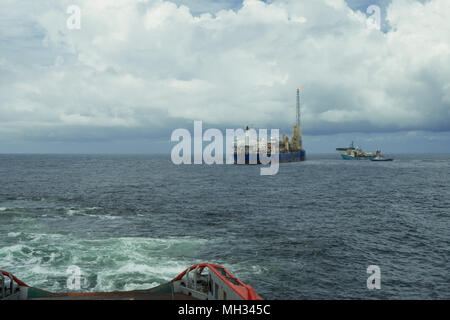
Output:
x=148 y=65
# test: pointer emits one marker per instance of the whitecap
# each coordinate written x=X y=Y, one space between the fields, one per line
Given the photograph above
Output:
x=71 y=212
x=13 y=234
x=82 y=211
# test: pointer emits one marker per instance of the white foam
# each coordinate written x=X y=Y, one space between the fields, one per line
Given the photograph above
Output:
x=93 y=208
x=126 y=263
x=71 y=212
x=105 y=217
x=37 y=237
x=13 y=234
x=14 y=248
x=86 y=212
x=49 y=271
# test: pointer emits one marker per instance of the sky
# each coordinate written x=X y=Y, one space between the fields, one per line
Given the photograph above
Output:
x=138 y=69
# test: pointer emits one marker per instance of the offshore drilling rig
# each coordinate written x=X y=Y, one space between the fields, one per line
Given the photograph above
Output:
x=289 y=151
x=296 y=134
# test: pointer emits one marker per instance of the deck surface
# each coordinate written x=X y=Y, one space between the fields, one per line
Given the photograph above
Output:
x=123 y=296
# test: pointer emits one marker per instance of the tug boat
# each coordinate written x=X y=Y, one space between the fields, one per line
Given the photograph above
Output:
x=203 y=281
x=379 y=157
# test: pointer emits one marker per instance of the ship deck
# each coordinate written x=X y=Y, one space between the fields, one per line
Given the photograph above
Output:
x=122 y=296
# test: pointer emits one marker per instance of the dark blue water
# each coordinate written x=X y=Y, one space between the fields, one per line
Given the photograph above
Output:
x=310 y=232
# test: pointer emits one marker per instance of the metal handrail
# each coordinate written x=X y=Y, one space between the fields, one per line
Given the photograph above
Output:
x=2 y=283
x=5 y=292
x=14 y=285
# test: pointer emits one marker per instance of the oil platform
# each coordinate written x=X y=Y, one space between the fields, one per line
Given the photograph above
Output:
x=289 y=150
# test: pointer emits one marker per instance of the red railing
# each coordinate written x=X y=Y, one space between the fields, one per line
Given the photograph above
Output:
x=245 y=291
x=18 y=281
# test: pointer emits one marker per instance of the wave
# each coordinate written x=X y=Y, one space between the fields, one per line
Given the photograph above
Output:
x=81 y=211
x=90 y=212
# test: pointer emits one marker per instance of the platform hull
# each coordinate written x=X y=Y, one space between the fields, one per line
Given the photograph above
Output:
x=283 y=157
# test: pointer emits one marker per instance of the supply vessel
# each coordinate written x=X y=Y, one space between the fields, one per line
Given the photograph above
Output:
x=352 y=153
x=204 y=281
x=249 y=150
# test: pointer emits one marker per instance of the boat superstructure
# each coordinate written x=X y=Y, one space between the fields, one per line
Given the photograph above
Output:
x=352 y=153
x=203 y=281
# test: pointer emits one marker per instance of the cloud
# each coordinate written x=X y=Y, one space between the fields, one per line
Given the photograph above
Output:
x=141 y=68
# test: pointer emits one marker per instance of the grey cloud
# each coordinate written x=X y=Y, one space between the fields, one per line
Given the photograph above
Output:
x=140 y=69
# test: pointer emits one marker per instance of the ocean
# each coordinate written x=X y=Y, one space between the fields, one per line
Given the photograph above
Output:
x=309 y=232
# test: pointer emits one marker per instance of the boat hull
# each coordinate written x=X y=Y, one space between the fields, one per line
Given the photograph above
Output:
x=348 y=157
x=382 y=160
